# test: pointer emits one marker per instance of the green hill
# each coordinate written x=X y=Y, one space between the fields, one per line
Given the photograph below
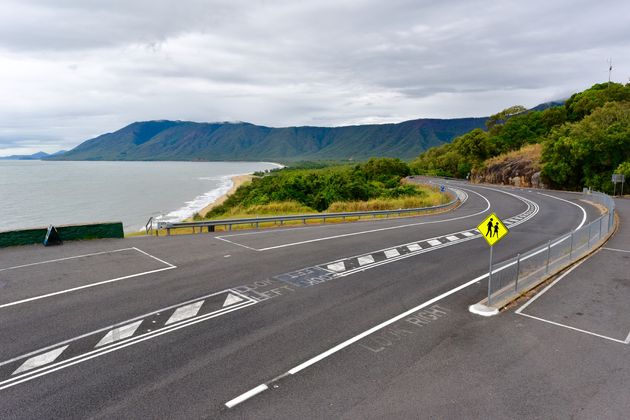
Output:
x=184 y=140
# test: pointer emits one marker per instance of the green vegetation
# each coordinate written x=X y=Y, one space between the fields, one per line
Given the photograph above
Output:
x=375 y=184
x=583 y=141
x=185 y=140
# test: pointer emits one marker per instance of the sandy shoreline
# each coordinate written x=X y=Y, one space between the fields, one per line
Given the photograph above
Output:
x=237 y=181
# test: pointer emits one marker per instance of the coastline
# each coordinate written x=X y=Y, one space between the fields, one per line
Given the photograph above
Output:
x=237 y=181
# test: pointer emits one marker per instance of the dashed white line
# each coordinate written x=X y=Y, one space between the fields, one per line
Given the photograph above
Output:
x=414 y=247
x=434 y=242
x=452 y=238
x=468 y=233
x=247 y=395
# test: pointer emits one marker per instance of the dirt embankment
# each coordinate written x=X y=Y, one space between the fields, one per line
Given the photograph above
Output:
x=520 y=168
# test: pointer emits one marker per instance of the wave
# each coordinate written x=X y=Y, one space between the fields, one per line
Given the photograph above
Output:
x=201 y=201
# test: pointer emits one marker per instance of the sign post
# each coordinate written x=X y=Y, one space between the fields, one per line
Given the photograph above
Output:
x=615 y=179
x=493 y=230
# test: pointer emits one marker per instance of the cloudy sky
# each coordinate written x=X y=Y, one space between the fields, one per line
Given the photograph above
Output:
x=73 y=69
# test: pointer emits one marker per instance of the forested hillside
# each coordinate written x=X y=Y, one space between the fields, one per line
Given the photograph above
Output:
x=182 y=140
x=582 y=142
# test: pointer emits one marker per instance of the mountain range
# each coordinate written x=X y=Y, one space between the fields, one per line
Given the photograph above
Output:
x=34 y=156
x=225 y=141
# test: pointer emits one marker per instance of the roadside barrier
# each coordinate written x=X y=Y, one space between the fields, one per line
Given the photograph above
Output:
x=516 y=276
x=459 y=196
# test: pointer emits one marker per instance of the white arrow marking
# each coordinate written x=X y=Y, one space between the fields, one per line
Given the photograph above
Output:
x=185 y=312
x=40 y=360
x=231 y=300
x=119 y=333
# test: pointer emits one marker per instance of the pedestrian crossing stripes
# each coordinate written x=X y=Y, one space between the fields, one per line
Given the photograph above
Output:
x=87 y=346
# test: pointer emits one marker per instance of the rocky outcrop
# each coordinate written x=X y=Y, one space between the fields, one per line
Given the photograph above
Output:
x=520 y=168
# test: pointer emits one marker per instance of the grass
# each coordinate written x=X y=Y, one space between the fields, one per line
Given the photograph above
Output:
x=428 y=197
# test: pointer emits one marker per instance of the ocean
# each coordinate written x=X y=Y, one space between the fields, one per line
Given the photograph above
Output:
x=41 y=193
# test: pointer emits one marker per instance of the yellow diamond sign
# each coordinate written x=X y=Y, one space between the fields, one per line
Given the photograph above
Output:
x=492 y=229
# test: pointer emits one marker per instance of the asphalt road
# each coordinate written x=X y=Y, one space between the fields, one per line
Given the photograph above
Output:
x=305 y=317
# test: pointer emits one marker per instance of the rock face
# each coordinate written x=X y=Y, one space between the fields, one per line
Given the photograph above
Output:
x=519 y=169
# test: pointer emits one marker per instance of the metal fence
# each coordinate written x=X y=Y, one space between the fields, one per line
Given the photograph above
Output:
x=458 y=196
x=509 y=279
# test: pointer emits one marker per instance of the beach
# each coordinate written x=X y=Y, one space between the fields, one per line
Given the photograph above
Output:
x=237 y=181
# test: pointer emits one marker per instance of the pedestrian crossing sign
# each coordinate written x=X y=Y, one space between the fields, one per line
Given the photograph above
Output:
x=492 y=229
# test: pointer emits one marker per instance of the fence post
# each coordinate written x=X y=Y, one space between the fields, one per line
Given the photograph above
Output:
x=518 y=269
x=588 y=244
x=571 y=250
x=548 y=256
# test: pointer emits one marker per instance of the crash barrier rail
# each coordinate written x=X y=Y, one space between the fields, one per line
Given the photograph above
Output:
x=256 y=221
x=509 y=279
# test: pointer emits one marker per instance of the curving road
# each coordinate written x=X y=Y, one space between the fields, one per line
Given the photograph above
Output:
x=318 y=321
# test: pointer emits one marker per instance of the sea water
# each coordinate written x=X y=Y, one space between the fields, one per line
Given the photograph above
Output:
x=41 y=193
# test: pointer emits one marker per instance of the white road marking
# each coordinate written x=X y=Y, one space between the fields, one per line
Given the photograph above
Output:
x=467 y=233
x=66 y=258
x=74 y=289
x=367 y=259
x=390 y=253
x=434 y=242
x=572 y=203
x=45 y=370
x=231 y=299
x=185 y=312
x=119 y=333
x=246 y=396
x=414 y=247
x=337 y=267
x=86 y=286
x=39 y=360
x=615 y=249
x=452 y=238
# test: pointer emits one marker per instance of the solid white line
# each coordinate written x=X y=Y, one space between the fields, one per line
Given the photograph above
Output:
x=66 y=258
x=153 y=256
x=570 y=202
x=235 y=243
x=119 y=333
x=615 y=249
x=380 y=326
x=185 y=312
x=247 y=395
x=74 y=289
x=532 y=300
x=39 y=360
x=573 y=328
x=113 y=347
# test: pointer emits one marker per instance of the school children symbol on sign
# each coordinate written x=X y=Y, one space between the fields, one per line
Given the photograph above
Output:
x=492 y=229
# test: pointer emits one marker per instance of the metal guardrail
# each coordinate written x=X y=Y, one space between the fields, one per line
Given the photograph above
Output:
x=513 y=277
x=256 y=221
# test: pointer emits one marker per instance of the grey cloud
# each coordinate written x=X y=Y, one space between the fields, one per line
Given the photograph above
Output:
x=326 y=62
